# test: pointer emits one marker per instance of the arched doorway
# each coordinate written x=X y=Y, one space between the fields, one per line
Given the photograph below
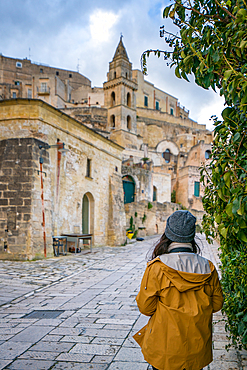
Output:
x=129 y=189
x=87 y=214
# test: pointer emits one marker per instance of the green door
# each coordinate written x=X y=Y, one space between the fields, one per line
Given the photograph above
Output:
x=129 y=189
x=85 y=215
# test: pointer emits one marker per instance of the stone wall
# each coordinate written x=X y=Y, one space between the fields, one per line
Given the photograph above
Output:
x=151 y=221
x=19 y=167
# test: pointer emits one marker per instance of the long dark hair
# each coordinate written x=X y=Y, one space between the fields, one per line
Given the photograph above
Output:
x=161 y=247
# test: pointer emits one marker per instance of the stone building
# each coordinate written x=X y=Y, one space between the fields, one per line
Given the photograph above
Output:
x=82 y=190
x=138 y=140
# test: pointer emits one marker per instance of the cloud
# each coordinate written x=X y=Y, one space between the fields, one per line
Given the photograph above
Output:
x=101 y=24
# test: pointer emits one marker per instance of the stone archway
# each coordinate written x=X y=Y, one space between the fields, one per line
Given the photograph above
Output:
x=87 y=214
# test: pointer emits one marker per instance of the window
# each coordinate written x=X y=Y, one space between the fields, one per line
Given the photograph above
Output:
x=57 y=73
x=128 y=99
x=17 y=83
x=43 y=87
x=41 y=70
x=196 y=189
x=171 y=111
x=18 y=64
x=207 y=154
x=181 y=145
x=112 y=99
x=112 y=121
x=29 y=93
x=167 y=155
x=126 y=75
x=115 y=75
x=145 y=101
x=14 y=95
x=154 y=194
x=157 y=105
x=128 y=122
x=70 y=75
x=88 y=172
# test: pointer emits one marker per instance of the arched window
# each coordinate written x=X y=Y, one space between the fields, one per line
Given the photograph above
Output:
x=126 y=75
x=112 y=120
x=154 y=194
x=112 y=99
x=129 y=189
x=115 y=75
x=129 y=99
x=128 y=122
x=167 y=155
x=207 y=154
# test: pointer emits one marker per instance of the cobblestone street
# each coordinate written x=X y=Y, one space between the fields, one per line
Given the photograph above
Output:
x=89 y=313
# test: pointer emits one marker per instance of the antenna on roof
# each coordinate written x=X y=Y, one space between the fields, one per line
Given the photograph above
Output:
x=78 y=66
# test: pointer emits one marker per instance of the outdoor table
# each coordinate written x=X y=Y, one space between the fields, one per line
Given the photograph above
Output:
x=57 y=244
x=77 y=237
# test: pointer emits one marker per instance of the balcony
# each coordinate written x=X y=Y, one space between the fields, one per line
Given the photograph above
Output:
x=43 y=90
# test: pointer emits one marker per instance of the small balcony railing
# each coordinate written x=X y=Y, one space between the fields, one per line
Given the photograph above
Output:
x=43 y=90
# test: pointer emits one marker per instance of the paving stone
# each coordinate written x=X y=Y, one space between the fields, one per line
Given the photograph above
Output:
x=52 y=338
x=32 y=364
x=77 y=339
x=102 y=359
x=130 y=355
x=222 y=365
x=4 y=363
x=105 y=333
x=66 y=331
x=10 y=350
x=95 y=349
x=32 y=334
x=75 y=357
x=117 y=365
x=37 y=355
x=114 y=341
x=78 y=366
x=52 y=346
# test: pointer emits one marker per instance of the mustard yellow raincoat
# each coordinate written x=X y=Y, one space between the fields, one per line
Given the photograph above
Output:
x=178 y=335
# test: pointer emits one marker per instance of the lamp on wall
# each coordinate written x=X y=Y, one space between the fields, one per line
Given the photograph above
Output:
x=60 y=151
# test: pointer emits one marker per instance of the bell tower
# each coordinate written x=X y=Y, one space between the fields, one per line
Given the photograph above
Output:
x=119 y=93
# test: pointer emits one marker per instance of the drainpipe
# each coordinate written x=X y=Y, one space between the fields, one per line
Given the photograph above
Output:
x=43 y=205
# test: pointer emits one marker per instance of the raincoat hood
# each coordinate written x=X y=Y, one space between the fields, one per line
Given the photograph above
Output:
x=184 y=281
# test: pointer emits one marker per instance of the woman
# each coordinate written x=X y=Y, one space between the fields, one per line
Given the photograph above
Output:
x=180 y=290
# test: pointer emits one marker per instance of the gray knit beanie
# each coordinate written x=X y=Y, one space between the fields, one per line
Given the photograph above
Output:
x=180 y=227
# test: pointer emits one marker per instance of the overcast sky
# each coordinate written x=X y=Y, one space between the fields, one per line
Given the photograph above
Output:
x=84 y=34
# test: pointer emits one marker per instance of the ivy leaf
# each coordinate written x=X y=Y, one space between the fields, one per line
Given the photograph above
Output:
x=177 y=73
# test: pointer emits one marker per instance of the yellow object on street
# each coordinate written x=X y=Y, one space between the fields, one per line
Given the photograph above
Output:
x=129 y=234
